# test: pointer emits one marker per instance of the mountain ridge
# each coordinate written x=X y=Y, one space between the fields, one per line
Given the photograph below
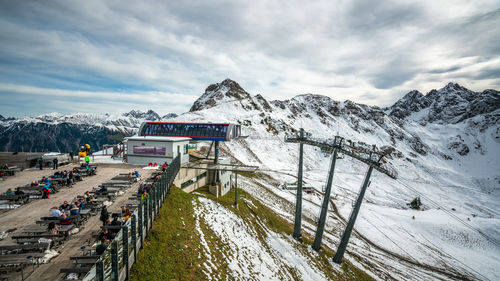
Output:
x=450 y=104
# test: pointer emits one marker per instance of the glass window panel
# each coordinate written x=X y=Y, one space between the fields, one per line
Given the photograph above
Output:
x=149 y=150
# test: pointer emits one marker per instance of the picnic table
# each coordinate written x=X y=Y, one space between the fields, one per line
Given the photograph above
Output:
x=21 y=198
x=85 y=260
x=75 y=219
x=23 y=248
x=33 y=238
x=40 y=229
x=118 y=182
x=10 y=171
x=60 y=181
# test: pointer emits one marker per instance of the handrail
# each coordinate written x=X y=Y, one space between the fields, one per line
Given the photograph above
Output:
x=117 y=259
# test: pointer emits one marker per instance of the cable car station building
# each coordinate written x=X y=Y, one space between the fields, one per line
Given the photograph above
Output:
x=160 y=142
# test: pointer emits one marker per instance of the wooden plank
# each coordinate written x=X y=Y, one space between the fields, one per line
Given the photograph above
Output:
x=94 y=257
x=47 y=235
x=78 y=270
x=6 y=258
x=38 y=246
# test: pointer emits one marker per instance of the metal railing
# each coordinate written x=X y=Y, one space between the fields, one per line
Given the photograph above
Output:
x=116 y=261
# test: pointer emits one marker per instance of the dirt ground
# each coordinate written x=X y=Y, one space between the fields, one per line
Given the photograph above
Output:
x=31 y=212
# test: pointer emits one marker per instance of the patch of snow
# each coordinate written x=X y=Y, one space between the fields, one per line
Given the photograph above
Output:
x=249 y=258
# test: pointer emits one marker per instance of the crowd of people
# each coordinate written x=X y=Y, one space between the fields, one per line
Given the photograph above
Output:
x=110 y=226
x=66 y=208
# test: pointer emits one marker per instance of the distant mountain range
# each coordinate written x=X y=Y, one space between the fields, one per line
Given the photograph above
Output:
x=444 y=144
x=64 y=133
x=451 y=104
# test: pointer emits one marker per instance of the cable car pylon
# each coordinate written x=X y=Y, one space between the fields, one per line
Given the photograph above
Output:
x=297 y=228
x=326 y=198
x=361 y=154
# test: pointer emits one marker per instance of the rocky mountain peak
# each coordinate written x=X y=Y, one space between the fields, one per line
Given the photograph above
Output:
x=227 y=90
x=5 y=119
x=413 y=101
x=148 y=115
x=450 y=104
x=169 y=116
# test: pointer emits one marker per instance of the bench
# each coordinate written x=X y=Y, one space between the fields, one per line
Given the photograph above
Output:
x=34 y=237
x=77 y=270
x=10 y=171
x=15 y=258
x=112 y=227
x=85 y=260
x=21 y=198
x=55 y=240
x=23 y=248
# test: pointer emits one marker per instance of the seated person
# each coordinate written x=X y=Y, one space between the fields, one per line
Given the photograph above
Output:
x=76 y=175
x=45 y=192
x=144 y=196
x=80 y=204
x=88 y=197
x=9 y=192
x=55 y=212
x=69 y=180
x=18 y=192
x=34 y=183
x=127 y=214
x=115 y=222
x=53 y=229
x=106 y=234
x=136 y=173
x=103 y=189
x=65 y=220
x=66 y=206
x=75 y=211
x=101 y=247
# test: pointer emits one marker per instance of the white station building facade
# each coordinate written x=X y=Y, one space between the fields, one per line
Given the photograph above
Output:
x=160 y=142
x=142 y=150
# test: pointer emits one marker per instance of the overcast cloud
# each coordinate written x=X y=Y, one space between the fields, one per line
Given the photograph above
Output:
x=114 y=56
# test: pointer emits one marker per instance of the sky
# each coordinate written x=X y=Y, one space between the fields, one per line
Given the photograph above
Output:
x=115 y=56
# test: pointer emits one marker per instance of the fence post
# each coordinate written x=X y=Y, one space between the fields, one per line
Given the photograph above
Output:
x=114 y=260
x=99 y=271
x=153 y=210
x=133 y=225
x=152 y=206
x=125 y=250
x=141 y=222
x=146 y=216
x=163 y=193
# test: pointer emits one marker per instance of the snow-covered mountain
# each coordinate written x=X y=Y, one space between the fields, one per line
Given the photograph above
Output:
x=56 y=132
x=446 y=148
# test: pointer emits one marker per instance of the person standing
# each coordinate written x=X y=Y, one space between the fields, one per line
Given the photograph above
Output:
x=104 y=215
x=87 y=159
x=71 y=155
x=55 y=161
x=40 y=162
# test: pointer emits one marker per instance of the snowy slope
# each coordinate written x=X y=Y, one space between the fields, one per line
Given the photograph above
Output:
x=446 y=152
